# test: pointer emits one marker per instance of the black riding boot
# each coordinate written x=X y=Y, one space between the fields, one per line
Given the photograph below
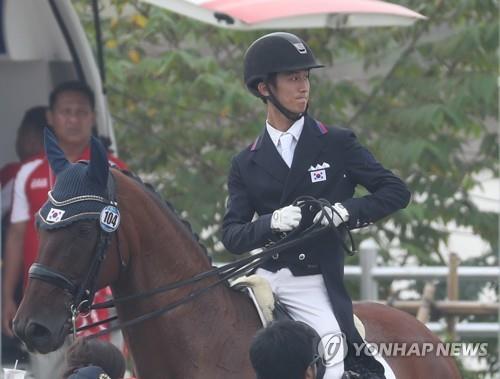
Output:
x=362 y=366
x=350 y=375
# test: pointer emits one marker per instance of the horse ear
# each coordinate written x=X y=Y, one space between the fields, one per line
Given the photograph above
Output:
x=98 y=168
x=55 y=155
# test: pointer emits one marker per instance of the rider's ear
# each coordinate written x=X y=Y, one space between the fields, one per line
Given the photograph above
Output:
x=55 y=155
x=98 y=168
x=263 y=89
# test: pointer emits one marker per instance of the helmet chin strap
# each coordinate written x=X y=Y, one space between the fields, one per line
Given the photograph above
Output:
x=292 y=116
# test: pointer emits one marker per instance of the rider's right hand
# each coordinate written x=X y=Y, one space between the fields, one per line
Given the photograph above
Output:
x=286 y=219
x=9 y=309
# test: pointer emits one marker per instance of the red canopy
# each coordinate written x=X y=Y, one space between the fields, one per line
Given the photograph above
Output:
x=281 y=14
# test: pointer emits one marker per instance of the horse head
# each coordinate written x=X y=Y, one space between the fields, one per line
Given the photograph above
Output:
x=151 y=248
x=75 y=226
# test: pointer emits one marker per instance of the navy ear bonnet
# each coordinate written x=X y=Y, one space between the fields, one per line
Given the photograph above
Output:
x=73 y=198
x=89 y=372
x=82 y=190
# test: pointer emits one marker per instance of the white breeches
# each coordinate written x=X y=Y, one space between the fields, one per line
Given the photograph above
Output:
x=306 y=299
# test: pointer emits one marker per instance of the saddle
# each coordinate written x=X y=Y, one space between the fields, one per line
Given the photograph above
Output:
x=268 y=307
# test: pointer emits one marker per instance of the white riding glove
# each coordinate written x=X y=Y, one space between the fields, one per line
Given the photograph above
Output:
x=339 y=216
x=286 y=219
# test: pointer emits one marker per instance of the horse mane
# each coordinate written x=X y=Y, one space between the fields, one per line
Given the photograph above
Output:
x=167 y=205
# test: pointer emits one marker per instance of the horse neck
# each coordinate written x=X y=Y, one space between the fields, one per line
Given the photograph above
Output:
x=158 y=247
x=158 y=242
x=160 y=251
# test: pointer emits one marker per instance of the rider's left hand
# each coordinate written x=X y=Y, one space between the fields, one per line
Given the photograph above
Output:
x=338 y=216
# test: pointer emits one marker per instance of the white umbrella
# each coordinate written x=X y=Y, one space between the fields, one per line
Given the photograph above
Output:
x=292 y=14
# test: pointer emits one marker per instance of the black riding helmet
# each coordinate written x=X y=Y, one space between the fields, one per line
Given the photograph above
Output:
x=274 y=53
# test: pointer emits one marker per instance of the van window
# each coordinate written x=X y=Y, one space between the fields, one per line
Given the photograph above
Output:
x=42 y=44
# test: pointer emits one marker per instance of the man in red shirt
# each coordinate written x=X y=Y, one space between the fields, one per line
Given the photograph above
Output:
x=71 y=116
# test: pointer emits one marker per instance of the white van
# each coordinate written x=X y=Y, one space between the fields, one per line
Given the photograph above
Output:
x=42 y=43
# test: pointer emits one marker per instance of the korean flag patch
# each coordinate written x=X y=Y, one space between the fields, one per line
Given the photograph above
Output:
x=318 y=172
x=318 y=176
x=110 y=219
x=55 y=215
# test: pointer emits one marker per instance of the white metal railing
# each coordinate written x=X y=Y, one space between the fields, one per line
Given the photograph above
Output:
x=468 y=329
x=424 y=272
x=369 y=273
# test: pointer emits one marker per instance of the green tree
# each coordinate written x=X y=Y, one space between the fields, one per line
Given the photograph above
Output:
x=181 y=111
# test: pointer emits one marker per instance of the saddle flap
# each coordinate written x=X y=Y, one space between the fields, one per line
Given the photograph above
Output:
x=259 y=290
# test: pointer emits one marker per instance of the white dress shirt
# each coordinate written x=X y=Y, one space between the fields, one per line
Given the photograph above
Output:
x=286 y=149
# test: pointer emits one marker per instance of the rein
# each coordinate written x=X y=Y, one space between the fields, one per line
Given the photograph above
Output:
x=106 y=210
x=228 y=271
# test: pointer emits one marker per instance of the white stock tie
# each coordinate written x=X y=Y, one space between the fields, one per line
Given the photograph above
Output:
x=286 y=140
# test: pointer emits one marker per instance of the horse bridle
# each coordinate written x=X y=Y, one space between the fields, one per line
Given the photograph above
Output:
x=82 y=294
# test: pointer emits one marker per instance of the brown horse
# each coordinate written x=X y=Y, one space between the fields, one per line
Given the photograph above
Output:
x=206 y=338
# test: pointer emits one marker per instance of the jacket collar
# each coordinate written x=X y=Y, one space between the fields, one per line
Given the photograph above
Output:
x=310 y=144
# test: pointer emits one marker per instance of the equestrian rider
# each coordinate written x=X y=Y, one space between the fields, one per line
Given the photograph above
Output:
x=296 y=155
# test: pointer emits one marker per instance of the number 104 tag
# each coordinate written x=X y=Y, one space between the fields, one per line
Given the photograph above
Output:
x=110 y=218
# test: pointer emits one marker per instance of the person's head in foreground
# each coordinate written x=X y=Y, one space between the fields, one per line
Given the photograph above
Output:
x=287 y=350
x=86 y=355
